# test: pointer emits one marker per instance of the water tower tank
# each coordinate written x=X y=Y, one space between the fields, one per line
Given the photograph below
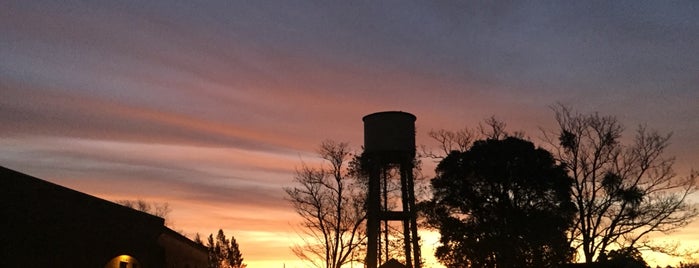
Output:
x=391 y=131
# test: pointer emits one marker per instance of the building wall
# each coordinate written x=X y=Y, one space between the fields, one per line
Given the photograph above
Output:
x=47 y=225
x=180 y=252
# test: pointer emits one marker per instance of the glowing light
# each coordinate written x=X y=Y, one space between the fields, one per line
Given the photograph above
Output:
x=123 y=261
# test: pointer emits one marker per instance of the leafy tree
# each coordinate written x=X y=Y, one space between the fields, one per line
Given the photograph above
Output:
x=501 y=203
x=330 y=202
x=624 y=258
x=623 y=192
x=224 y=253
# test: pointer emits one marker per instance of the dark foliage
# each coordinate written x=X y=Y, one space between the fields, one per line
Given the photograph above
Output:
x=624 y=258
x=502 y=203
x=224 y=253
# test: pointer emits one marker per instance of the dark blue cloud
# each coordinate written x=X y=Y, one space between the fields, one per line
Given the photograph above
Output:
x=271 y=78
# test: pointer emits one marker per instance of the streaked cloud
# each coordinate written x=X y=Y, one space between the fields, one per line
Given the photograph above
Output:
x=210 y=106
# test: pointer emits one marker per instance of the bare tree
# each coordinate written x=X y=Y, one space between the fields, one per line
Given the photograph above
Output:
x=331 y=204
x=448 y=141
x=462 y=139
x=154 y=208
x=492 y=128
x=622 y=192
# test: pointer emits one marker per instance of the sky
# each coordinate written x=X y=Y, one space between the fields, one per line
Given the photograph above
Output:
x=211 y=105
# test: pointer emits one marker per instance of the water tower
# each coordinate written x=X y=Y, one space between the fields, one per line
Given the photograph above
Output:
x=389 y=144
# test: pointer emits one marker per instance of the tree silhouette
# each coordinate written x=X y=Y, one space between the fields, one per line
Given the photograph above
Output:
x=501 y=203
x=622 y=192
x=197 y=239
x=330 y=202
x=224 y=253
x=624 y=257
x=154 y=208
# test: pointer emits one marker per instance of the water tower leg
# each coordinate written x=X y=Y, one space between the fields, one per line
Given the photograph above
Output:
x=405 y=197
x=373 y=223
x=413 y=218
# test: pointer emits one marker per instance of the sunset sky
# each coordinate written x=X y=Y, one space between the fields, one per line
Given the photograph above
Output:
x=210 y=106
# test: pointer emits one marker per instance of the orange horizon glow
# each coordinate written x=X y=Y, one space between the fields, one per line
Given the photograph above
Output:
x=211 y=106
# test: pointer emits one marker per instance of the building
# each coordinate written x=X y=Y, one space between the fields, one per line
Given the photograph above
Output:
x=47 y=225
